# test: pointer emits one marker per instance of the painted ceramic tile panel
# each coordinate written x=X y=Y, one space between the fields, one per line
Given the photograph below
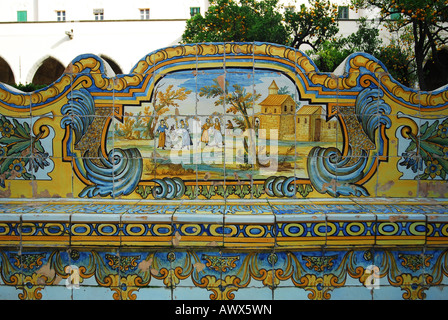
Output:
x=218 y=121
x=39 y=274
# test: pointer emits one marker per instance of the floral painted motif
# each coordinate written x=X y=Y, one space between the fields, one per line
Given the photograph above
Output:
x=220 y=170
x=427 y=152
x=21 y=152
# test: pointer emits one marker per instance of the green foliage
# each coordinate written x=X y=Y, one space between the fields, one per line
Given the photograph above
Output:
x=29 y=87
x=333 y=52
x=330 y=55
x=243 y=20
x=424 y=19
x=312 y=25
x=366 y=39
x=252 y=20
x=397 y=63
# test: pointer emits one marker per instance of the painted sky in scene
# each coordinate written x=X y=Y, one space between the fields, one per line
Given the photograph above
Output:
x=258 y=81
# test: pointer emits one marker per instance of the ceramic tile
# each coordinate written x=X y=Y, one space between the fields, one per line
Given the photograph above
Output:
x=430 y=268
x=91 y=293
x=298 y=230
x=255 y=208
x=389 y=186
x=317 y=265
x=240 y=157
x=351 y=113
x=210 y=93
x=95 y=228
x=154 y=294
x=356 y=229
x=435 y=293
x=242 y=230
x=10 y=232
x=254 y=294
x=143 y=229
x=431 y=189
x=436 y=228
x=223 y=171
x=405 y=229
x=44 y=229
x=301 y=206
x=192 y=293
x=197 y=229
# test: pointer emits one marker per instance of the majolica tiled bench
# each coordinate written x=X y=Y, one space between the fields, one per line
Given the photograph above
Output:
x=279 y=225
x=223 y=171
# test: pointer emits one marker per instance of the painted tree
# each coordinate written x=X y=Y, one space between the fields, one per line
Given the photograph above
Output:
x=163 y=102
x=427 y=20
x=237 y=100
x=144 y=123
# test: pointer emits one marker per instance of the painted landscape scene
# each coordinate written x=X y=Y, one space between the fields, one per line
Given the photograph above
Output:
x=215 y=126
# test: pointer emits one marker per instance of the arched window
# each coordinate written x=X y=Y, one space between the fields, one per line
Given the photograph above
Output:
x=112 y=64
x=49 y=71
x=6 y=75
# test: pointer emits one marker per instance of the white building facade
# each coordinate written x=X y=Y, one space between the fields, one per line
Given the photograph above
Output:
x=36 y=34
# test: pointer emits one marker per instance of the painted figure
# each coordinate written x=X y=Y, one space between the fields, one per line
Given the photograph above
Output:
x=173 y=138
x=162 y=134
x=186 y=139
x=205 y=137
x=215 y=134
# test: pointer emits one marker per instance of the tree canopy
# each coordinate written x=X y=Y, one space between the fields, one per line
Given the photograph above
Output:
x=267 y=21
x=419 y=31
x=243 y=20
x=312 y=25
x=426 y=20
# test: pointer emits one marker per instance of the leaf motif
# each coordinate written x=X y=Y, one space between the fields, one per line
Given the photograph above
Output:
x=428 y=132
x=10 y=140
x=28 y=176
x=431 y=148
x=412 y=146
x=5 y=164
x=444 y=164
x=423 y=128
x=443 y=174
x=4 y=120
x=258 y=190
x=18 y=147
x=438 y=140
x=20 y=129
x=39 y=147
x=240 y=123
x=423 y=176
